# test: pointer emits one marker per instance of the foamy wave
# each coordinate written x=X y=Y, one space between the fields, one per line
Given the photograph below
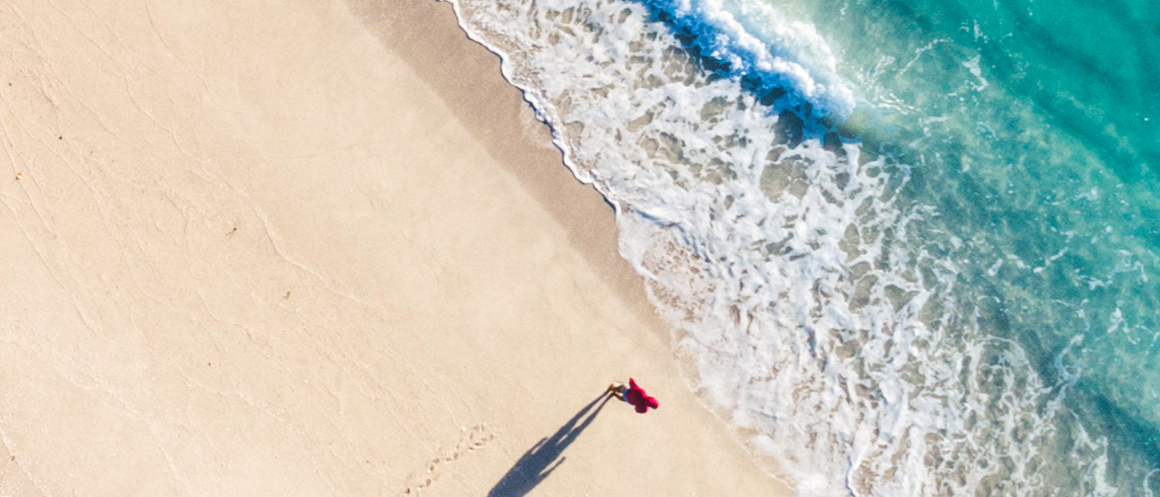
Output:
x=753 y=41
x=813 y=313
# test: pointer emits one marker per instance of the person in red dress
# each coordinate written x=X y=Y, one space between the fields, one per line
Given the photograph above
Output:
x=634 y=395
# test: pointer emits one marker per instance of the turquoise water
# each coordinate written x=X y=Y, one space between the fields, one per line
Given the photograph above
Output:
x=1033 y=128
x=907 y=248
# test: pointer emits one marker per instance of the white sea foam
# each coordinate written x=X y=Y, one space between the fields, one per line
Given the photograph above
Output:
x=755 y=35
x=807 y=315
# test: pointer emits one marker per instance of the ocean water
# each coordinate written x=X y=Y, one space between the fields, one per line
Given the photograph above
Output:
x=908 y=247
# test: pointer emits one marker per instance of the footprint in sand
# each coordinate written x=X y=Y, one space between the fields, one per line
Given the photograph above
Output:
x=472 y=439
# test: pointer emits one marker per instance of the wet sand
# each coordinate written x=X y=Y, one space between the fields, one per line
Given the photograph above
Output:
x=312 y=249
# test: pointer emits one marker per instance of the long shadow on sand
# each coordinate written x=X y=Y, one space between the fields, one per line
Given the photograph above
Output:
x=544 y=457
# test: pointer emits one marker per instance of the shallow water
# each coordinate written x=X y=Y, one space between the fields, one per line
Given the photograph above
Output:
x=909 y=247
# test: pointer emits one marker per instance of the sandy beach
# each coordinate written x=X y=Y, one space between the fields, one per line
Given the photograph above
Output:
x=313 y=248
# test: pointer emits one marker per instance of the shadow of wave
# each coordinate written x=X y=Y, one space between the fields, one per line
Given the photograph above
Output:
x=544 y=457
x=800 y=117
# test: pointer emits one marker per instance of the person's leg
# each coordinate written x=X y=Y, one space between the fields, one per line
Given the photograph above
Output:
x=617 y=390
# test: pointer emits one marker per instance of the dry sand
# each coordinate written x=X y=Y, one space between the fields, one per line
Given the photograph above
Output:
x=311 y=249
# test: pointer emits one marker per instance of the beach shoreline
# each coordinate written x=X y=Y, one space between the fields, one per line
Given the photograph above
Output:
x=467 y=79
x=314 y=249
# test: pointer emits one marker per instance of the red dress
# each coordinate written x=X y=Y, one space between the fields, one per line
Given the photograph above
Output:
x=636 y=396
